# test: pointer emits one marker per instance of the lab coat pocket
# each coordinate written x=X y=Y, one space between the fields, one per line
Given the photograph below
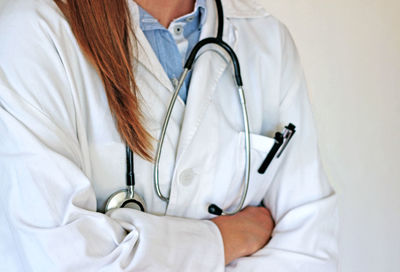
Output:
x=258 y=185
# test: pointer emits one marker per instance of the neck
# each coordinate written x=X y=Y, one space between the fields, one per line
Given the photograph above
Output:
x=166 y=11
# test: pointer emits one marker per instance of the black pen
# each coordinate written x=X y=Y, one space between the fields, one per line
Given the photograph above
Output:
x=278 y=142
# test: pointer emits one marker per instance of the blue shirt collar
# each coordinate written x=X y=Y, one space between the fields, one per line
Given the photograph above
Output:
x=148 y=22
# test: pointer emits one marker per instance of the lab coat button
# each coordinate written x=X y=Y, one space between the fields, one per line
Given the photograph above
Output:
x=186 y=177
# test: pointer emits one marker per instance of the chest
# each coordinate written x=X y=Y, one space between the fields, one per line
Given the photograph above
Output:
x=203 y=156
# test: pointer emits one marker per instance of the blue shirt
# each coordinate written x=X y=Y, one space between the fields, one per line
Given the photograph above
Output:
x=173 y=45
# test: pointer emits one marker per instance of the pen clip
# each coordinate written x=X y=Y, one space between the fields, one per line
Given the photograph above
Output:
x=288 y=133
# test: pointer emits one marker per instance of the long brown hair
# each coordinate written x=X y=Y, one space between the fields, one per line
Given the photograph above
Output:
x=103 y=31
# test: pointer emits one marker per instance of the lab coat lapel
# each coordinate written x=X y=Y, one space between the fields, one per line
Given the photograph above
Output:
x=144 y=54
x=206 y=73
x=154 y=85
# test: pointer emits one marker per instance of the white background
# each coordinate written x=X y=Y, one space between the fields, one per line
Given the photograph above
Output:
x=350 y=50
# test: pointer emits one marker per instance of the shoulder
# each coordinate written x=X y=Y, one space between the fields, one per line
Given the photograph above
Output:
x=34 y=34
x=28 y=13
x=264 y=38
x=243 y=9
x=30 y=22
x=250 y=12
x=26 y=24
x=30 y=31
x=251 y=17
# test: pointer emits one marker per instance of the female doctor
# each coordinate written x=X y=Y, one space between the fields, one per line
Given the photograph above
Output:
x=82 y=80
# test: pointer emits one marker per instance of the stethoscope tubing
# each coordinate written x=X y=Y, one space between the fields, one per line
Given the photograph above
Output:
x=239 y=83
x=163 y=133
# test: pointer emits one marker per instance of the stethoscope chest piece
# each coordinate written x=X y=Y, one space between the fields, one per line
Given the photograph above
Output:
x=125 y=198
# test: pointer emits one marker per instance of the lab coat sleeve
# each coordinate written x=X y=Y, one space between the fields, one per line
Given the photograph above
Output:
x=301 y=201
x=48 y=206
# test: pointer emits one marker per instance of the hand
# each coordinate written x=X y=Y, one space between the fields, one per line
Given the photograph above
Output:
x=245 y=232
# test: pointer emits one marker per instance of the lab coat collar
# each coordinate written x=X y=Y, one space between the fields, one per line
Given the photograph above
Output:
x=145 y=54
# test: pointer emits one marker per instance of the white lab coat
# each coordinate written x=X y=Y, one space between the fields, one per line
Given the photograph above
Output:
x=61 y=155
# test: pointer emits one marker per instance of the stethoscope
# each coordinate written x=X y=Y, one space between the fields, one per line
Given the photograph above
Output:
x=127 y=197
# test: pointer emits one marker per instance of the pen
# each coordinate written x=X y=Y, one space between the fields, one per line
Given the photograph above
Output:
x=281 y=141
x=278 y=142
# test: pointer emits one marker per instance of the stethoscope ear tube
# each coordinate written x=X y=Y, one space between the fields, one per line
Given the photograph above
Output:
x=160 y=143
x=220 y=12
x=235 y=61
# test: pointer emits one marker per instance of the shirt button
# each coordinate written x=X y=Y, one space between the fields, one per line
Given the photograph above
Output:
x=178 y=29
x=189 y=19
x=175 y=82
x=186 y=177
